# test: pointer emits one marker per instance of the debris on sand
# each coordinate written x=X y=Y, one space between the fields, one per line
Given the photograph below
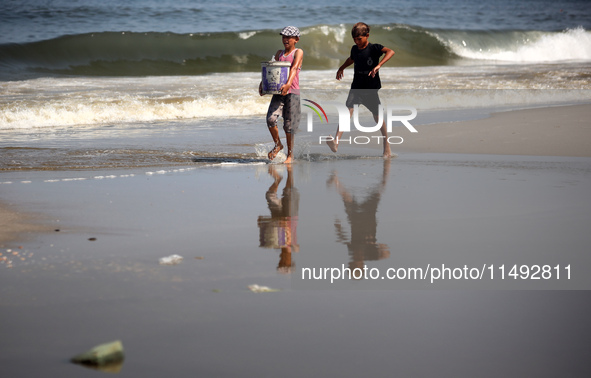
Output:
x=170 y=260
x=104 y=357
x=261 y=289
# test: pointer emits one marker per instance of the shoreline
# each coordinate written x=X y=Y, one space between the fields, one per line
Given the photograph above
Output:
x=548 y=131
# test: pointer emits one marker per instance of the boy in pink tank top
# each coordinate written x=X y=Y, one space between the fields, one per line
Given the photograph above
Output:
x=286 y=104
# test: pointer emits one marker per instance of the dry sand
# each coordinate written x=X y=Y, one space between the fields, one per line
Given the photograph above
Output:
x=552 y=131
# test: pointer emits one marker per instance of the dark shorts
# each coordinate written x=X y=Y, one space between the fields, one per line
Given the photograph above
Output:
x=367 y=97
x=289 y=108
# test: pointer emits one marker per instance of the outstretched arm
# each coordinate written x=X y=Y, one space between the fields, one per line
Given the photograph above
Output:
x=347 y=63
x=389 y=53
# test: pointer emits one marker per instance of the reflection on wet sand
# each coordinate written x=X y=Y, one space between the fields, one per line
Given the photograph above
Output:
x=278 y=231
x=362 y=243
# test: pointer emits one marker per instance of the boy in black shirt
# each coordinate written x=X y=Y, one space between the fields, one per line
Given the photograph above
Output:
x=366 y=79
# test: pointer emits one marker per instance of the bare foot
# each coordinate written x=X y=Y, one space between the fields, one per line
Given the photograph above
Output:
x=289 y=160
x=387 y=152
x=273 y=172
x=383 y=251
x=331 y=180
x=333 y=146
x=278 y=147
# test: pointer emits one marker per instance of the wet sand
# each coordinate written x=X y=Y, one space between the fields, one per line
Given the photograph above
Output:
x=98 y=279
x=15 y=225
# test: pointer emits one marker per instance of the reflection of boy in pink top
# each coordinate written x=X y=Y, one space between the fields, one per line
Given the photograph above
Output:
x=286 y=104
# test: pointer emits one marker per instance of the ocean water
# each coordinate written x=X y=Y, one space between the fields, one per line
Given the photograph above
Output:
x=81 y=73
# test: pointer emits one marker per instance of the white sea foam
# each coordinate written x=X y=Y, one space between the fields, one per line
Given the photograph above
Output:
x=538 y=47
x=69 y=102
x=246 y=35
x=106 y=101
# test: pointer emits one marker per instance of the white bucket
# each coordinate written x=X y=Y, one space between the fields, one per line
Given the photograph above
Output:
x=275 y=75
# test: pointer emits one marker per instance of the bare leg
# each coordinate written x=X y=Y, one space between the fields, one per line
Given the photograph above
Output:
x=387 y=152
x=278 y=146
x=334 y=143
x=276 y=176
x=290 y=139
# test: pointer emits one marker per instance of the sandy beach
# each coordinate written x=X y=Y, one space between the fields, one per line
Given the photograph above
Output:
x=81 y=249
x=139 y=213
x=551 y=131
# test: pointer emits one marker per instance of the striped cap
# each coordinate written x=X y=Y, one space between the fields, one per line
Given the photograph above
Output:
x=290 y=31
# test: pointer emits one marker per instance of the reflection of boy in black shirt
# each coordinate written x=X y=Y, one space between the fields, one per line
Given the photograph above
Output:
x=366 y=80
x=362 y=215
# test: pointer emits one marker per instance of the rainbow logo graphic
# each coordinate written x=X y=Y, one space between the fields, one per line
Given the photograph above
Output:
x=316 y=110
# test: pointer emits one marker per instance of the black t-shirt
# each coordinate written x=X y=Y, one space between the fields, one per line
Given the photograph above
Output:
x=365 y=60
